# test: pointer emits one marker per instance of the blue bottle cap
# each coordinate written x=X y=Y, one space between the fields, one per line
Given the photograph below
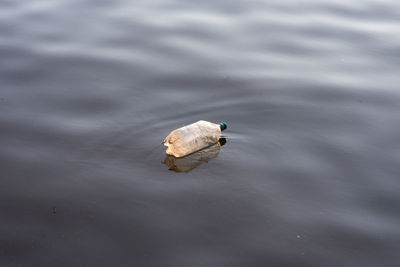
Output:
x=223 y=125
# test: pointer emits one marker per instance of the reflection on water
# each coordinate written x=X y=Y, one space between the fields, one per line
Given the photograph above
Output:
x=188 y=163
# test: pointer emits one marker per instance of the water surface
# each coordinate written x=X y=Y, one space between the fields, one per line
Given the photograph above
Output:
x=309 y=175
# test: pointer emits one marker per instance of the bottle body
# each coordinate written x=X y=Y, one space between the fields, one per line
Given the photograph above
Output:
x=191 y=138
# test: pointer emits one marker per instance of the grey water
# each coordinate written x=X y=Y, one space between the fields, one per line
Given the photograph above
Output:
x=309 y=174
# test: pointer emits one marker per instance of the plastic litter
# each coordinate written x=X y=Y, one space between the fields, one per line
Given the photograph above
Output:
x=193 y=137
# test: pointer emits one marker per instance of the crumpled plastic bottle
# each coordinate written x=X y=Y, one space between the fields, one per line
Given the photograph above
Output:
x=193 y=137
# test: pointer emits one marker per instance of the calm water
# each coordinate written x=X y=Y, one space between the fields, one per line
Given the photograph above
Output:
x=309 y=174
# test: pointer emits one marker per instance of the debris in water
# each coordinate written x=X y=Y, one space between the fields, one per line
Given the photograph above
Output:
x=193 y=137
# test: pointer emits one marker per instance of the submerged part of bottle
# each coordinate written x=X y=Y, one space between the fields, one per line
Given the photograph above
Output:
x=195 y=159
x=193 y=137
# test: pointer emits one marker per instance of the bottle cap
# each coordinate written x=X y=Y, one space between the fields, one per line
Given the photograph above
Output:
x=223 y=125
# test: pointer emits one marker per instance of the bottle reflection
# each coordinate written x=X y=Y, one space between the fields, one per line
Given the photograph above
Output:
x=189 y=162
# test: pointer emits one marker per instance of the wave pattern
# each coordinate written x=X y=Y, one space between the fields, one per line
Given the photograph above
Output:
x=309 y=174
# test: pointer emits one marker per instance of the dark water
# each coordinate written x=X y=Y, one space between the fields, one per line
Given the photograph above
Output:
x=309 y=175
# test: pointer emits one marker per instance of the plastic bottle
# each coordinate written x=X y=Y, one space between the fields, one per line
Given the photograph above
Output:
x=193 y=137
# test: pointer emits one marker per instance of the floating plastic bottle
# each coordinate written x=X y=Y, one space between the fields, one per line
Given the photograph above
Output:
x=193 y=137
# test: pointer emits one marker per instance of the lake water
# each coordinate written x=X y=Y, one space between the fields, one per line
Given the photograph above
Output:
x=310 y=171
